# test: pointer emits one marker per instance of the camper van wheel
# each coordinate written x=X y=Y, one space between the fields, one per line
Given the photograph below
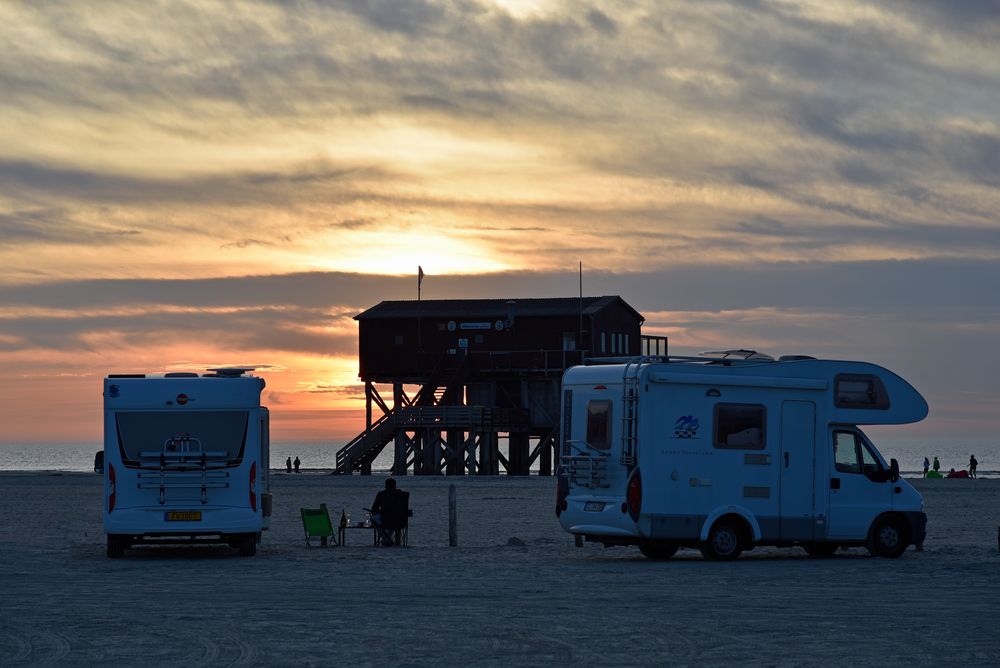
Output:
x=116 y=547
x=820 y=549
x=725 y=542
x=248 y=544
x=888 y=538
x=658 y=550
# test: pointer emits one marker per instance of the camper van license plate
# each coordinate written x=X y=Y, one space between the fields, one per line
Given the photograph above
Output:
x=184 y=516
x=593 y=506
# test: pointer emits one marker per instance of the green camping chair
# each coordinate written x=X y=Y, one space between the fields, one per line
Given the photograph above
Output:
x=316 y=523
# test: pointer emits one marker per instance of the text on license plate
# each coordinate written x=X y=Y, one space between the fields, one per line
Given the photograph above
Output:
x=593 y=506
x=183 y=516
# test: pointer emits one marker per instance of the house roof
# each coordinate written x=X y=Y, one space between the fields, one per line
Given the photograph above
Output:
x=491 y=309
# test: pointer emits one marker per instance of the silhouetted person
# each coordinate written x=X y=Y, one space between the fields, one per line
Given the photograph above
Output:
x=389 y=512
x=288 y=464
x=927 y=466
x=297 y=463
x=973 y=464
x=937 y=464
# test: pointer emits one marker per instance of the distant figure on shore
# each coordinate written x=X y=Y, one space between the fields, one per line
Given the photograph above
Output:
x=927 y=466
x=288 y=466
x=297 y=463
x=937 y=464
x=973 y=464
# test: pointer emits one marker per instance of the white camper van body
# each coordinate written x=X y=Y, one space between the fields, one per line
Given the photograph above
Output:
x=726 y=454
x=185 y=459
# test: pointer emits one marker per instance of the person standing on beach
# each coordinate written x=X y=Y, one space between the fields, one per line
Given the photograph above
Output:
x=297 y=462
x=937 y=464
x=927 y=465
x=973 y=464
x=288 y=466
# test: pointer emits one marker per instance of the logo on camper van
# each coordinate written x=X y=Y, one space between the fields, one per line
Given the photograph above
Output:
x=113 y=391
x=686 y=427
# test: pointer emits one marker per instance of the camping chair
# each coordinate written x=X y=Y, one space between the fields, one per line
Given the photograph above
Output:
x=316 y=523
x=395 y=520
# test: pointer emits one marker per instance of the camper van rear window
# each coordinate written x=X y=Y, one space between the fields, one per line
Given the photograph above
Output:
x=181 y=437
x=599 y=424
x=860 y=391
x=740 y=426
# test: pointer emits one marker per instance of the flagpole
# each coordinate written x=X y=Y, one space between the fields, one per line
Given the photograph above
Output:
x=420 y=279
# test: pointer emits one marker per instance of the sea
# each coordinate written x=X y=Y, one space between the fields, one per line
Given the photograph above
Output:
x=79 y=457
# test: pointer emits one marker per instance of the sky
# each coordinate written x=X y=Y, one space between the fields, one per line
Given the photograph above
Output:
x=193 y=184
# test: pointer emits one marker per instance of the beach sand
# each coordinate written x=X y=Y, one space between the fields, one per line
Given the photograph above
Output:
x=492 y=601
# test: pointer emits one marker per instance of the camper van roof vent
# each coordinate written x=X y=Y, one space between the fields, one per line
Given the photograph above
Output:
x=794 y=358
x=741 y=354
x=232 y=371
x=180 y=374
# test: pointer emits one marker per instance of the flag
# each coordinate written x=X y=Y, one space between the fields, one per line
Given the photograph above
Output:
x=420 y=275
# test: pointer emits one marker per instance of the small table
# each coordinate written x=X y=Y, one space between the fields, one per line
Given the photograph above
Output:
x=342 y=533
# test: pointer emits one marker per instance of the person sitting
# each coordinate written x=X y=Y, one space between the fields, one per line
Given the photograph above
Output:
x=389 y=513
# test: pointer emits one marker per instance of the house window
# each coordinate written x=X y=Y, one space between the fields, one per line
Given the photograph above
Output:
x=628 y=348
x=604 y=342
x=740 y=426
x=599 y=424
x=399 y=339
x=569 y=341
x=860 y=391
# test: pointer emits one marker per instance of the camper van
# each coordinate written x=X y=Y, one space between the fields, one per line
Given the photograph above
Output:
x=185 y=459
x=735 y=450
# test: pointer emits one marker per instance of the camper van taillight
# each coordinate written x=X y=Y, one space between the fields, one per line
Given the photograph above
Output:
x=633 y=496
x=111 y=487
x=253 y=487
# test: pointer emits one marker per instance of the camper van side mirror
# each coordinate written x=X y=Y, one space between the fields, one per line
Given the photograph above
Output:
x=99 y=462
x=893 y=470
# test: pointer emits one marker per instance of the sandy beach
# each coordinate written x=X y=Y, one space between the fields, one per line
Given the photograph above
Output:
x=515 y=592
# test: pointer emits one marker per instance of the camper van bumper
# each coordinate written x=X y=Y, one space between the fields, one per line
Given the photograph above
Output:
x=152 y=521
x=608 y=521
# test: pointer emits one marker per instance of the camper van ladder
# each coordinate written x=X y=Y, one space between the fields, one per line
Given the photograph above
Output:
x=630 y=412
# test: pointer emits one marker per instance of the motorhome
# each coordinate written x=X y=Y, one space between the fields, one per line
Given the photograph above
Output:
x=185 y=459
x=735 y=450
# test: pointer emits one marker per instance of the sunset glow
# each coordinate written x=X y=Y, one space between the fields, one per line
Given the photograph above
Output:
x=200 y=183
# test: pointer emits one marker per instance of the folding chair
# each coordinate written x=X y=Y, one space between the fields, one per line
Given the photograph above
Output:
x=395 y=520
x=316 y=523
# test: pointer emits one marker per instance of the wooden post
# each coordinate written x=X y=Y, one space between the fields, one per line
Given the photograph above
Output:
x=452 y=517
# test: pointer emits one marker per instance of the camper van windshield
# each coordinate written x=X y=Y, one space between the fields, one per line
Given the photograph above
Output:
x=193 y=431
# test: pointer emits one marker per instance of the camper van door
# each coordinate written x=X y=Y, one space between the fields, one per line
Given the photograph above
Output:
x=859 y=489
x=796 y=464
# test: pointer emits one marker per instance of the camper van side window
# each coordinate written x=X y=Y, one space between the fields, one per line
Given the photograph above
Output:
x=740 y=426
x=860 y=391
x=599 y=424
x=845 y=452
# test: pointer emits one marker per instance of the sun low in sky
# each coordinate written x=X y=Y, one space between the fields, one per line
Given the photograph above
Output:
x=187 y=184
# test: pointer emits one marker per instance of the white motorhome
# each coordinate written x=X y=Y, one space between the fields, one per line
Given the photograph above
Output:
x=185 y=459
x=725 y=453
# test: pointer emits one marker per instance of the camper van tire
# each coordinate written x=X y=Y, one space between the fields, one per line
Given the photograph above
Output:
x=248 y=544
x=888 y=537
x=116 y=546
x=725 y=540
x=659 y=550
